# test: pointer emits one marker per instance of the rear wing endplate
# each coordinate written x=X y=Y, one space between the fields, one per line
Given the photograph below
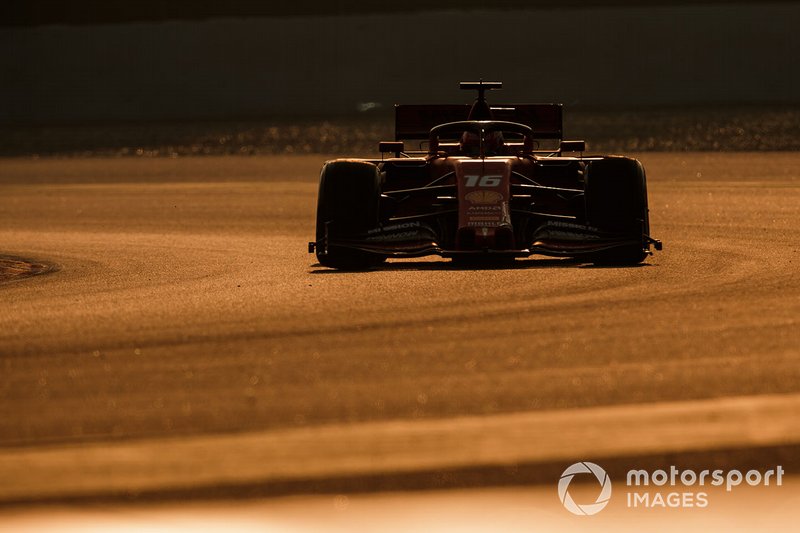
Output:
x=416 y=121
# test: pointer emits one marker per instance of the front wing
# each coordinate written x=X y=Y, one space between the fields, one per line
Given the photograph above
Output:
x=417 y=239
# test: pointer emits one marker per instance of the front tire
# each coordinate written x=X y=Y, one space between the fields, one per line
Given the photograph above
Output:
x=348 y=205
x=616 y=202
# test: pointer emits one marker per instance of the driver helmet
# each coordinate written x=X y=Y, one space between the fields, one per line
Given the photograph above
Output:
x=493 y=143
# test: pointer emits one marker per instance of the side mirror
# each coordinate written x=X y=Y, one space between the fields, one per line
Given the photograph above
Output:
x=387 y=147
x=572 y=146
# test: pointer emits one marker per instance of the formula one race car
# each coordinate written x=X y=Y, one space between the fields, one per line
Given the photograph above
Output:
x=486 y=185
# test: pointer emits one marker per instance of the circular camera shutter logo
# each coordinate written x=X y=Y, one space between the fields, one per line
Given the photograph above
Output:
x=584 y=468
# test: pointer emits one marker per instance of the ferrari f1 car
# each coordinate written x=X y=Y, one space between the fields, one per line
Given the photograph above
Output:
x=485 y=181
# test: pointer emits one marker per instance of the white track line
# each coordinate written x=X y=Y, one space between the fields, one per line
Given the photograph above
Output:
x=397 y=446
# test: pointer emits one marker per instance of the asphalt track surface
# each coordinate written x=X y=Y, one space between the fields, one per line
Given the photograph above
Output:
x=175 y=340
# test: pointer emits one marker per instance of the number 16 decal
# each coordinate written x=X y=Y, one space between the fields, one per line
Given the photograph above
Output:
x=483 y=181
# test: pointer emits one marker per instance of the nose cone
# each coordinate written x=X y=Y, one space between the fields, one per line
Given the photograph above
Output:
x=484 y=220
x=485 y=238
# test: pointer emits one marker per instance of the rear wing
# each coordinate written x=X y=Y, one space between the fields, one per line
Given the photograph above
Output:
x=415 y=121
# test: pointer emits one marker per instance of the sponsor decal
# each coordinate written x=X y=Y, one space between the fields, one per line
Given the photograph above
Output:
x=400 y=232
x=401 y=236
x=483 y=217
x=567 y=231
x=483 y=196
x=484 y=208
x=395 y=227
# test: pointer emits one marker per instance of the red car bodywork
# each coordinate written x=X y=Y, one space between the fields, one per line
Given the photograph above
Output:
x=501 y=196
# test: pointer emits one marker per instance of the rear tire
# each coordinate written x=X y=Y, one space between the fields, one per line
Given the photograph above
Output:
x=348 y=202
x=616 y=202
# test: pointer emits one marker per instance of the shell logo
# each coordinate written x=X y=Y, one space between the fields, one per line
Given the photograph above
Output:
x=484 y=197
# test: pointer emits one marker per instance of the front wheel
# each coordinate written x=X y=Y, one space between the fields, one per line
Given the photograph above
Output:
x=616 y=202
x=347 y=207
